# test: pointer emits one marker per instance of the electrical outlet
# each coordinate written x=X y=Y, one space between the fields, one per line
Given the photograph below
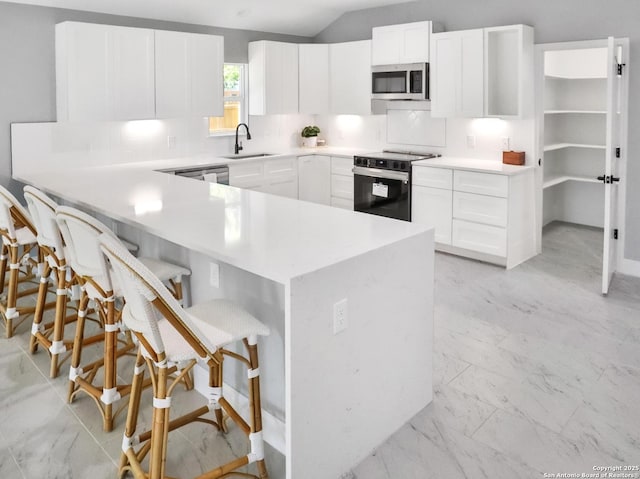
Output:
x=214 y=274
x=171 y=141
x=340 y=316
x=505 y=143
x=471 y=141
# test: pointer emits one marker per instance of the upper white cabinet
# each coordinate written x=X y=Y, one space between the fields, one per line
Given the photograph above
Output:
x=188 y=74
x=350 y=77
x=313 y=67
x=482 y=73
x=457 y=76
x=104 y=72
x=508 y=69
x=405 y=43
x=273 y=78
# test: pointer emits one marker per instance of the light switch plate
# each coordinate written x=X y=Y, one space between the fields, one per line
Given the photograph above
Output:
x=340 y=316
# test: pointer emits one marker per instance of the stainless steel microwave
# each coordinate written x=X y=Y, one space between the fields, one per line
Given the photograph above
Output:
x=400 y=82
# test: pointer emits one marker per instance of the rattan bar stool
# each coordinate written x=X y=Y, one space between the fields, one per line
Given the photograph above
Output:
x=51 y=335
x=80 y=233
x=18 y=241
x=193 y=338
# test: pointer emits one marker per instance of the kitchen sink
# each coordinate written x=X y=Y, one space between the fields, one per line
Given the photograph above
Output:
x=253 y=155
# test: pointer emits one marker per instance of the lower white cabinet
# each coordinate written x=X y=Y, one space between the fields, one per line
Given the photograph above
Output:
x=433 y=206
x=483 y=215
x=342 y=182
x=281 y=177
x=278 y=176
x=314 y=179
x=479 y=237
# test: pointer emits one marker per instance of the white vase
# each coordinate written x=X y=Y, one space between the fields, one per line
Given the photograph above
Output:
x=310 y=142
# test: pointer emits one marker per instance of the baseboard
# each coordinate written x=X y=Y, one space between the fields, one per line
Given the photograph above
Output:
x=629 y=267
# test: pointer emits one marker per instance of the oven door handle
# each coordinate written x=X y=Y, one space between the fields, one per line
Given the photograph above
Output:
x=378 y=173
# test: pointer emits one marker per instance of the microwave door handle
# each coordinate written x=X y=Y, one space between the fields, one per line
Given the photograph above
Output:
x=378 y=173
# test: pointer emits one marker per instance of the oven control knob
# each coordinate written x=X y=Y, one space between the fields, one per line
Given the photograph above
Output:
x=403 y=166
x=395 y=165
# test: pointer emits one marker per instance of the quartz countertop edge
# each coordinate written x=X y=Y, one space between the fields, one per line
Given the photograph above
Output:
x=473 y=164
x=274 y=237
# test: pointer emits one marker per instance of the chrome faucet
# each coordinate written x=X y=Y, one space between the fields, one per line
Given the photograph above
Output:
x=238 y=146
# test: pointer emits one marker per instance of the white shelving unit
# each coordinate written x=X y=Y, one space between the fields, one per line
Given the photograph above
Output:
x=575 y=114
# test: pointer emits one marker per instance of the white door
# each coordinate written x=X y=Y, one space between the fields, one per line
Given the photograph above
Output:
x=614 y=112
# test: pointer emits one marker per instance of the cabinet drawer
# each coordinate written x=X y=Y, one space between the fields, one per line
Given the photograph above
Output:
x=432 y=177
x=482 y=238
x=247 y=175
x=341 y=166
x=482 y=183
x=342 y=186
x=281 y=168
x=432 y=207
x=489 y=210
x=342 y=203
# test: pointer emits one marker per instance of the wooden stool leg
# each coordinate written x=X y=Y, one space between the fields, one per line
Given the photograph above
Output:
x=76 y=355
x=110 y=365
x=12 y=294
x=215 y=380
x=134 y=405
x=160 y=427
x=40 y=307
x=57 y=345
x=255 y=406
x=3 y=266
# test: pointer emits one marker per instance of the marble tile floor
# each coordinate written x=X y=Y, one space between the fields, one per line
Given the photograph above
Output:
x=534 y=371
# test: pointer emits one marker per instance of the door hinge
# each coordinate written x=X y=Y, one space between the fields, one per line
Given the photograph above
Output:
x=620 y=67
x=615 y=233
x=618 y=152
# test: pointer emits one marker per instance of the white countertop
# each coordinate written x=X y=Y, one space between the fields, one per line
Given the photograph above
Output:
x=473 y=164
x=270 y=236
x=213 y=159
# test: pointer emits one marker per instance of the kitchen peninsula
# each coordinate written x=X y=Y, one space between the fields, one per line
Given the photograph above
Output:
x=330 y=395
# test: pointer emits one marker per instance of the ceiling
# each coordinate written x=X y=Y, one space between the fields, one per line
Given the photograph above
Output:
x=295 y=17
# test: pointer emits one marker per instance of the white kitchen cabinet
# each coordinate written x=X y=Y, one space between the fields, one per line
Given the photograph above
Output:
x=188 y=74
x=457 y=74
x=277 y=176
x=404 y=43
x=508 y=69
x=281 y=176
x=432 y=206
x=342 y=182
x=273 y=78
x=314 y=179
x=488 y=216
x=104 y=72
x=248 y=175
x=313 y=64
x=350 y=77
x=482 y=73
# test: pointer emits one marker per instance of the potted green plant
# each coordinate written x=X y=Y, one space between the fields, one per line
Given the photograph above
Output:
x=310 y=136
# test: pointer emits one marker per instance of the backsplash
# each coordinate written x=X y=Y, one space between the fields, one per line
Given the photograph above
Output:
x=425 y=134
x=47 y=146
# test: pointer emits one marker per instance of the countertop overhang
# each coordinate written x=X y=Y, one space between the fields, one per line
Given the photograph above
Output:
x=273 y=237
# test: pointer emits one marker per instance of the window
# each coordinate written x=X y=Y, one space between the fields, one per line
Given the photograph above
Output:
x=235 y=100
